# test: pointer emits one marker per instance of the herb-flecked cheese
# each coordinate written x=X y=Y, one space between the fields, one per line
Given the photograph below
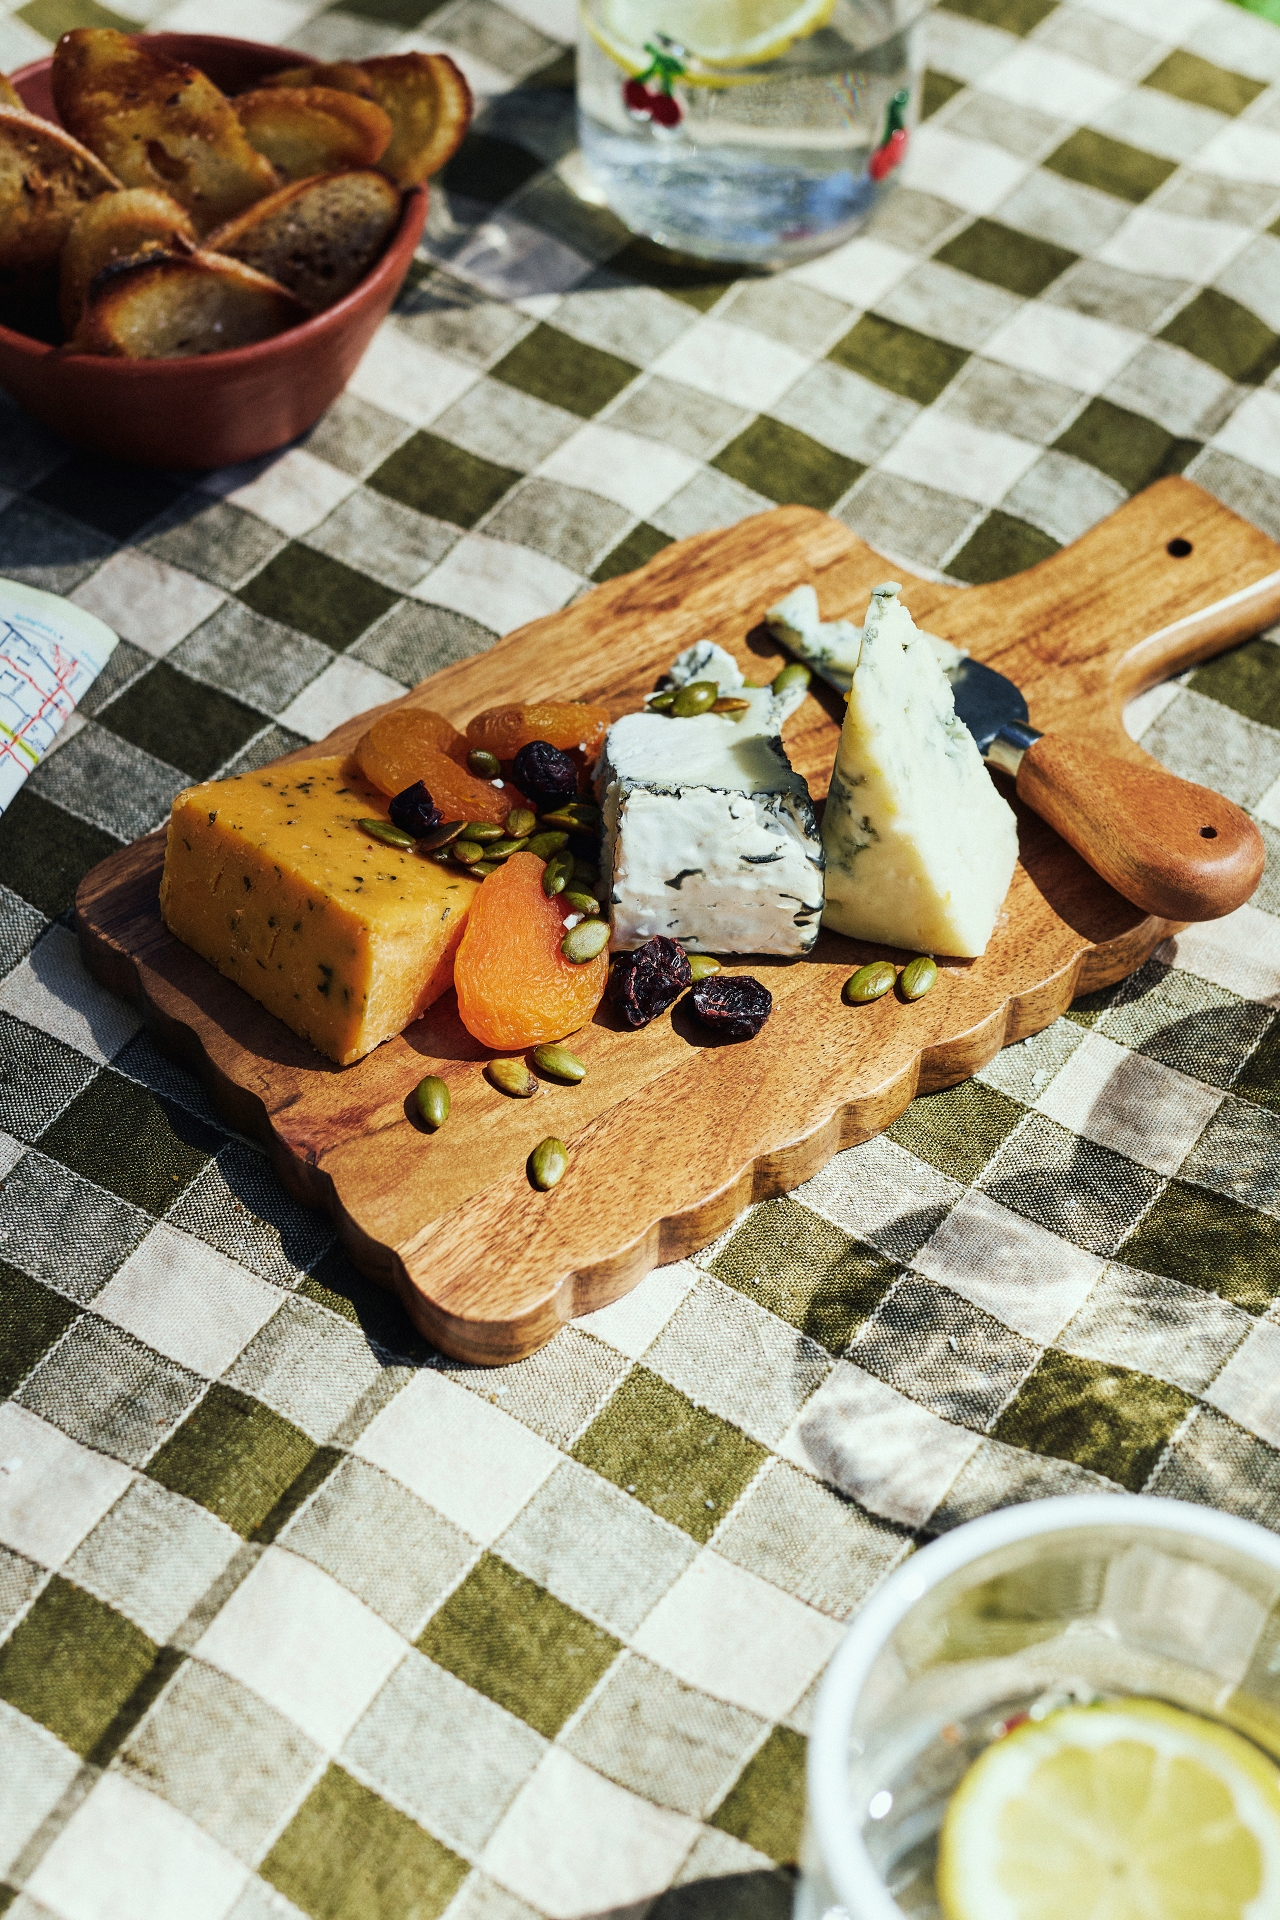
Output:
x=920 y=846
x=268 y=876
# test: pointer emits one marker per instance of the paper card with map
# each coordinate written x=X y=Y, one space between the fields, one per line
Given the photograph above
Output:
x=50 y=654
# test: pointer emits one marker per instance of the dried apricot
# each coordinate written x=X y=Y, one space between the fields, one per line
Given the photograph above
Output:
x=515 y=987
x=567 y=724
x=390 y=752
x=456 y=793
x=461 y=796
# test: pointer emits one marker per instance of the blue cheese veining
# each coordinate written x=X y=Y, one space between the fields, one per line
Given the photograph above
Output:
x=920 y=846
x=709 y=834
x=831 y=647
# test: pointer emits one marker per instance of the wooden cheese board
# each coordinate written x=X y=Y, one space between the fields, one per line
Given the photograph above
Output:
x=671 y=1135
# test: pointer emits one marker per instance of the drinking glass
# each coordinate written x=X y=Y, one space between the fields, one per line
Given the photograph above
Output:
x=766 y=161
x=1073 y=1598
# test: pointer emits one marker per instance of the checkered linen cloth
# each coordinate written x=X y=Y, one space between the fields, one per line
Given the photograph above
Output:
x=297 y=1615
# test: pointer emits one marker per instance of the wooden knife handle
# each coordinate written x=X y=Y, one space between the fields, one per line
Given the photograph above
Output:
x=1173 y=848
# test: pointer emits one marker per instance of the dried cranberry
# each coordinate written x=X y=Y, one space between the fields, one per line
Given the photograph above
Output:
x=649 y=979
x=545 y=773
x=414 y=811
x=733 y=1005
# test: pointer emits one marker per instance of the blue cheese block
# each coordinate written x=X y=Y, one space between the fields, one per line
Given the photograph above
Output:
x=920 y=846
x=709 y=834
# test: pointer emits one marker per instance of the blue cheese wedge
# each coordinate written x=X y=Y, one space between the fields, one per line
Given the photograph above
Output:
x=709 y=834
x=920 y=846
x=831 y=647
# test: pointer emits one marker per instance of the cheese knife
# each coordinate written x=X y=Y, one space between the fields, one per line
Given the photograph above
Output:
x=1171 y=847
x=1174 y=848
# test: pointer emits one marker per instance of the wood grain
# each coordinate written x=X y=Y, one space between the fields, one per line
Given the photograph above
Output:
x=671 y=1134
x=1170 y=846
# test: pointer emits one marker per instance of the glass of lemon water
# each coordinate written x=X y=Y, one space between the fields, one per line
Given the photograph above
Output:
x=751 y=130
x=1062 y=1711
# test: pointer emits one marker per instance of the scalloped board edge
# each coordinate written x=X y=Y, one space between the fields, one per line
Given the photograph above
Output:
x=670 y=1137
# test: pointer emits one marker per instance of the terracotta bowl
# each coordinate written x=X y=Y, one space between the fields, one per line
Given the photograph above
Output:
x=218 y=408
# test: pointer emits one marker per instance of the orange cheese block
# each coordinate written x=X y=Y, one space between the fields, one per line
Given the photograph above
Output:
x=268 y=876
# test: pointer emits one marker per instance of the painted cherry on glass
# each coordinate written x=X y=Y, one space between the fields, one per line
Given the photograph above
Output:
x=893 y=141
x=656 y=103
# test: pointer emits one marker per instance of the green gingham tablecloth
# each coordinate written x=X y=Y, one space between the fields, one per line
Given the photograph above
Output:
x=298 y=1616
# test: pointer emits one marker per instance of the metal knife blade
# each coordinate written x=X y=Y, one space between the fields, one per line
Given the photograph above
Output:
x=994 y=711
x=985 y=700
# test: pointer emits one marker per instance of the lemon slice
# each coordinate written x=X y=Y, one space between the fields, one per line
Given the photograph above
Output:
x=1128 y=1811
x=719 y=32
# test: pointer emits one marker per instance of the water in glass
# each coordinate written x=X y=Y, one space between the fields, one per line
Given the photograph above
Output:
x=764 y=160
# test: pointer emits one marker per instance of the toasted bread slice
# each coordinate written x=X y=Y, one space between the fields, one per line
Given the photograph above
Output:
x=345 y=75
x=317 y=237
x=158 y=123
x=46 y=178
x=429 y=104
x=308 y=130
x=119 y=226
x=424 y=94
x=9 y=96
x=168 y=308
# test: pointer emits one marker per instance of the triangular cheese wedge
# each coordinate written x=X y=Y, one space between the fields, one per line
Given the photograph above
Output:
x=831 y=647
x=920 y=847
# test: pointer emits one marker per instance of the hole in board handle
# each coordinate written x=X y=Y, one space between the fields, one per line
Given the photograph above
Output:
x=1208 y=833
x=1178 y=549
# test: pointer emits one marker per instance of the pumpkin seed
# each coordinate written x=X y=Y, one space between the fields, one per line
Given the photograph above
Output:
x=521 y=823
x=467 y=852
x=661 y=702
x=917 y=977
x=513 y=1077
x=583 y=903
x=560 y=1064
x=484 y=868
x=389 y=835
x=547 y=1163
x=585 y=941
x=730 y=703
x=484 y=830
x=586 y=874
x=545 y=844
x=794 y=674
x=697 y=697
x=557 y=874
x=502 y=849
x=442 y=836
x=868 y=983
x=432 y=1097
x=701 y=964
x=577 y=816
x=485 y=766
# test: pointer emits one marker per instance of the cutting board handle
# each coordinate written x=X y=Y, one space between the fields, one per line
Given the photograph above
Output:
x=1170 y=578
x=1173 y=848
